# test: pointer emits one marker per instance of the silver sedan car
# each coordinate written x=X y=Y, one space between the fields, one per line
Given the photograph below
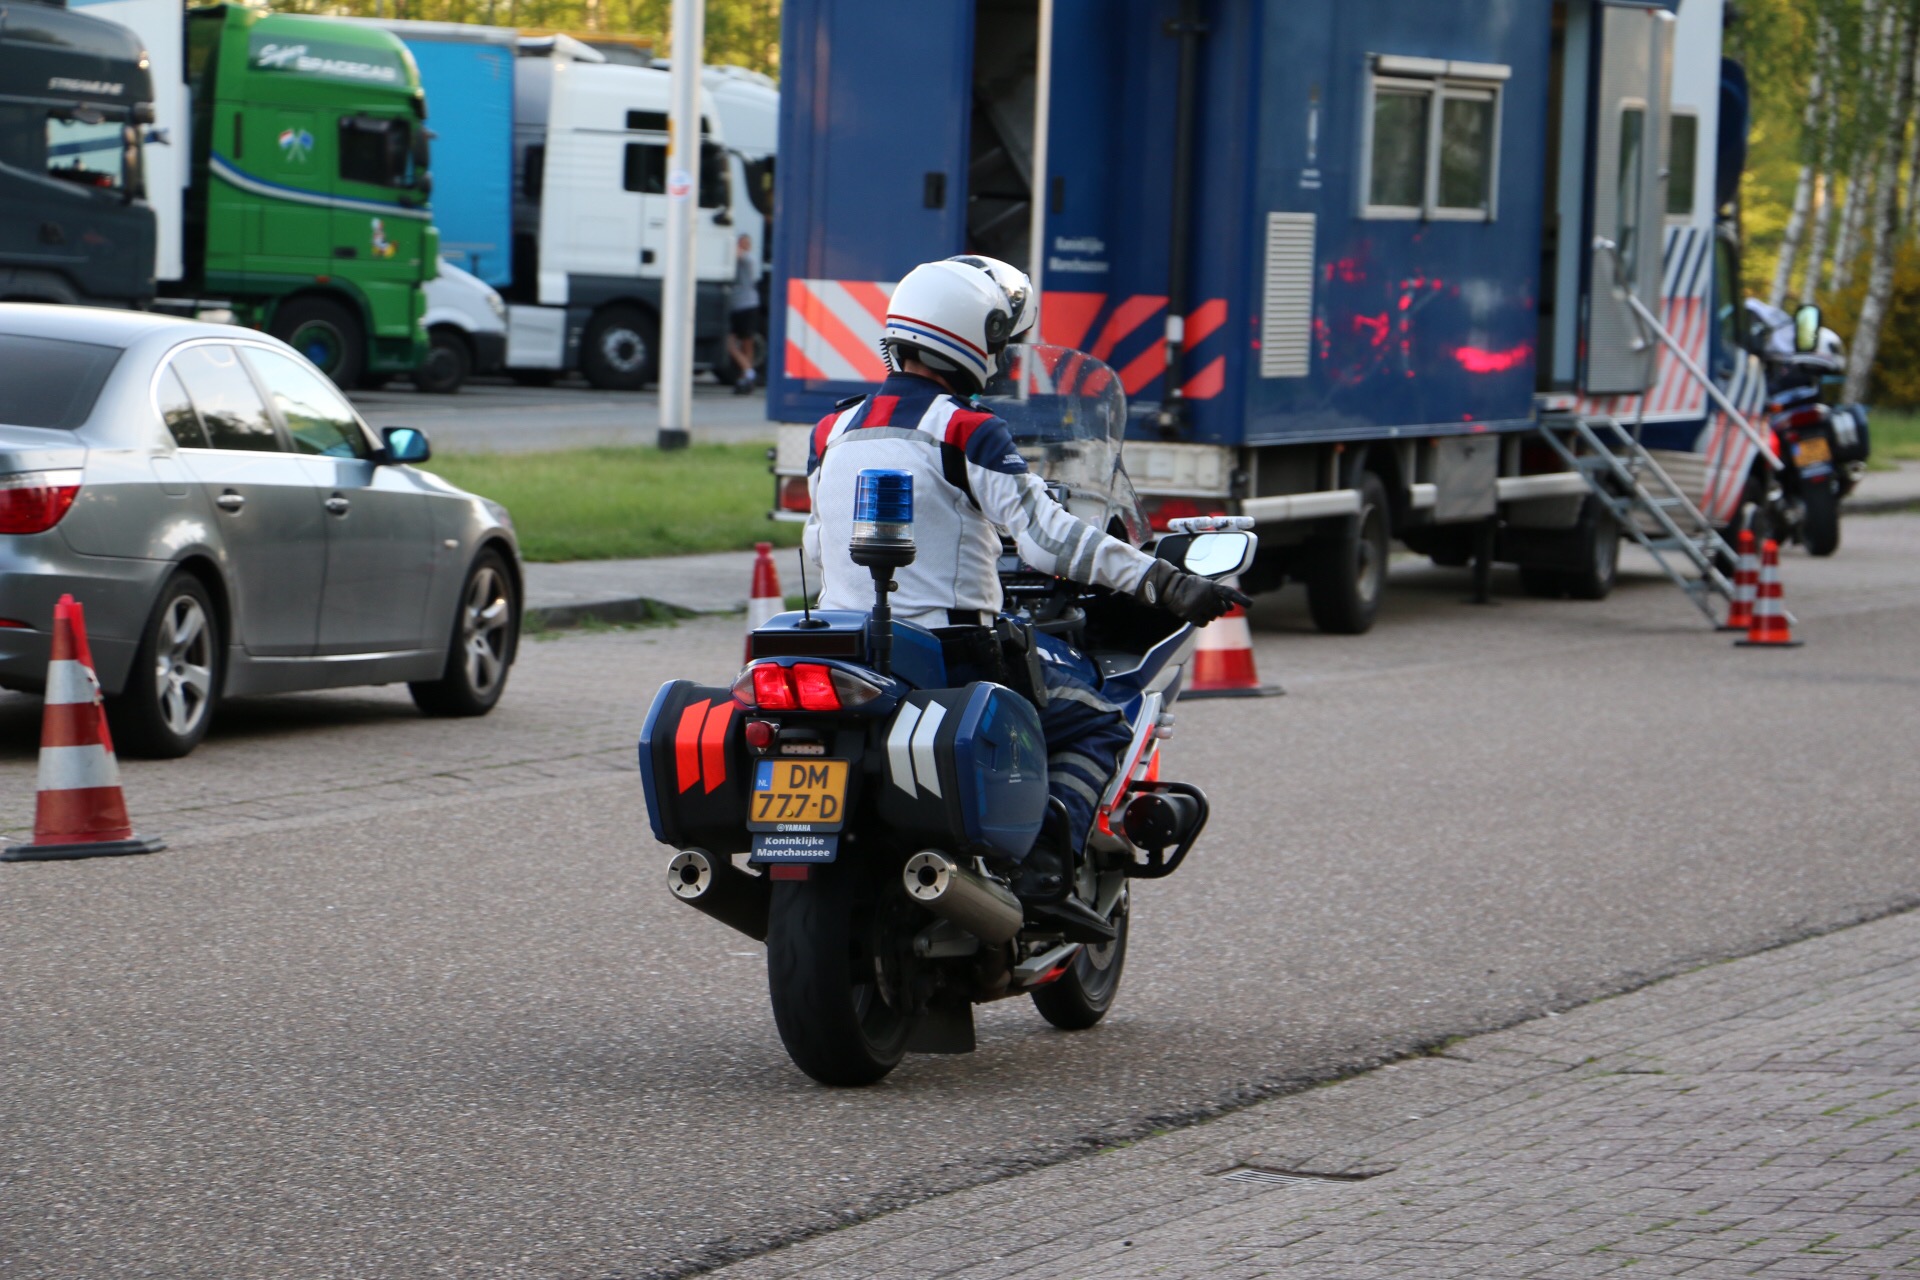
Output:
x=231 y=526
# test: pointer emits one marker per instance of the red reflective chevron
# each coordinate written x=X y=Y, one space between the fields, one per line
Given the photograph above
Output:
x=713 y=743
x=686 y=744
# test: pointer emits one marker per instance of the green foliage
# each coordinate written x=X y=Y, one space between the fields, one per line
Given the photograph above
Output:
x=1896 y=373
x=606 y=504
x=739 y=32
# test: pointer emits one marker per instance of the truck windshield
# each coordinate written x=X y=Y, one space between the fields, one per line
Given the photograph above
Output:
x=49 y=382
x=78 y=146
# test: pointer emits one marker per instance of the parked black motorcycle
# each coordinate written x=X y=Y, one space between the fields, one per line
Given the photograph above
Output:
x=1823 y=448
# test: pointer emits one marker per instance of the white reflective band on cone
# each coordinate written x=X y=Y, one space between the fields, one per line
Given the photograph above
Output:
x=77 y=768
x=69 y=682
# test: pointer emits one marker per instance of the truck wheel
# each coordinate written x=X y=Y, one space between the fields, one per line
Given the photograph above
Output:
x=1598 y=535
x=839 y=1001
x=168 y=701
x=448 y=362
x=327 y=333
x=1347 y=573
x=486 y=626
x=621 y=351
x=1082 y=995
x=1822 y=527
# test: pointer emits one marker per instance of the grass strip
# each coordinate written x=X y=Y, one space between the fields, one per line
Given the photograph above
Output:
x=621 y=503
x=1896 y=435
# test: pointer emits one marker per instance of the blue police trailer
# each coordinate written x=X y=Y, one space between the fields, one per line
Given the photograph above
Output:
x=1367 y=269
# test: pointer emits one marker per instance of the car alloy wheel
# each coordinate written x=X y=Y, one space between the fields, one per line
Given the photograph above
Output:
x=183 y=662
x=484 y=635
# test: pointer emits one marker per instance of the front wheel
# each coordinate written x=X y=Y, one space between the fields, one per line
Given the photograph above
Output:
x=449 y=361
x=1082 y=995
x=168 y=701
x=836 y=976
x=486 y=627
x=1822 y=527
x=621 y=351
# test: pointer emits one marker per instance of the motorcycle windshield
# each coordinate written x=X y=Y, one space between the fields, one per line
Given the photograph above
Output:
x=1068 y=415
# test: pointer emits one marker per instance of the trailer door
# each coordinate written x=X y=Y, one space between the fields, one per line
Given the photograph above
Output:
x=1628 y=187
x=872 y=180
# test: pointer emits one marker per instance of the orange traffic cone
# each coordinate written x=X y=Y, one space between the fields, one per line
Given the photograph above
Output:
x=1746 y=580
x=80 y=812
x=764 y=600
x=1771 y=629
x=1223 y=661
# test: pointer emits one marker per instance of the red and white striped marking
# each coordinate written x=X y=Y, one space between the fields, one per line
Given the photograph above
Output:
x=1771 y=627
x=79 y=800
x=834 y=328
x=1746 y=578
x=765 y=600
x=1222 y=659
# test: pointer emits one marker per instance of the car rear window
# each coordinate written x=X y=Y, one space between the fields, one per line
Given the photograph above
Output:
x=50 y=382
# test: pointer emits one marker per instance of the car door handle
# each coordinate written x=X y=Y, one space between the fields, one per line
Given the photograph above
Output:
x=230 y=501
x=338 y=505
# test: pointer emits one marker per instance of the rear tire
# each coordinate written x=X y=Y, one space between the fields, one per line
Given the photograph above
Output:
x=1822 y=527
x=828 y=956
x=449 y=361
x=486 y=631
x=1348 y=572
x=327 y=333
x=167 y=704
x=1599 y=538
x=1081 y=996
x=621 y=350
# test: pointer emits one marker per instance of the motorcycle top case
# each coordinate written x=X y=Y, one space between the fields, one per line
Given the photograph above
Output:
x=696 y=769
x=966 y=771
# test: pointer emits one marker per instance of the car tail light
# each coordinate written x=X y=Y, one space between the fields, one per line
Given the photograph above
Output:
x=1161 y=510
x=34 y=501
x=815 y=685
x=794 y=495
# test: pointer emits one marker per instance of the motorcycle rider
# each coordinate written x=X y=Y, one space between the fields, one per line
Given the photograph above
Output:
x=946 y=322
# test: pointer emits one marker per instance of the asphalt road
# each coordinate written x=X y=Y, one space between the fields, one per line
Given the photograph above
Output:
x=494 y=415
x=409 y=998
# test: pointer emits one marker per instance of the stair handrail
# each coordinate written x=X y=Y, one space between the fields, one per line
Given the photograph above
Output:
x=1649 y=321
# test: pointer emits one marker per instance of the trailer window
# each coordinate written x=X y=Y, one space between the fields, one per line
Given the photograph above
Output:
x=1432 y=139
x=377 y=151
x=1633 y=127
x=1683 y=149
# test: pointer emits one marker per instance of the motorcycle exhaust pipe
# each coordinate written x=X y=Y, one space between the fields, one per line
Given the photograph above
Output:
x=722 y=890
x=943 y=886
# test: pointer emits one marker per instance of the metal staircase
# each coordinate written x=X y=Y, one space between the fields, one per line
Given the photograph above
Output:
x=1646 y=503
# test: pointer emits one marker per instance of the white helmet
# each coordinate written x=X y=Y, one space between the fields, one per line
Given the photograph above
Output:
x=1021 y=299
x=952 y=318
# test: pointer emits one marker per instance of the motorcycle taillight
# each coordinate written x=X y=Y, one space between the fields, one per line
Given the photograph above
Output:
x=815 y=685
x=764 y=685
x=1810 y=416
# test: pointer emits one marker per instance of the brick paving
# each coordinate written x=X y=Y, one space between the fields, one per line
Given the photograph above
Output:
x=1759 y=1117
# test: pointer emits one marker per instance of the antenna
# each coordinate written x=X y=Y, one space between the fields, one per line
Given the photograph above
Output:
x=809 y=622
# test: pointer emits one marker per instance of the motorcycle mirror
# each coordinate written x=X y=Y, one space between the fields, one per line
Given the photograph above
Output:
x=1211 y=555
x=1806 y=329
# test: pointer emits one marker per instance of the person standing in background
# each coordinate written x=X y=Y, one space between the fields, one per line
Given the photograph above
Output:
x=743 y=316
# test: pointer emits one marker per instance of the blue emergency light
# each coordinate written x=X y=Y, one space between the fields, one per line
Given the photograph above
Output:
x=882 y=518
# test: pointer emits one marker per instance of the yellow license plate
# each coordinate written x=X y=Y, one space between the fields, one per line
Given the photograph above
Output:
x=798 y=795
x=1808 y=452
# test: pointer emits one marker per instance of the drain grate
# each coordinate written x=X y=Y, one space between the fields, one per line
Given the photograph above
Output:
x=1256 y=1176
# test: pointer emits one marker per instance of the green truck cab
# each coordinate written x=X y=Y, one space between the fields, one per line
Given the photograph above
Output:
x=308 y=207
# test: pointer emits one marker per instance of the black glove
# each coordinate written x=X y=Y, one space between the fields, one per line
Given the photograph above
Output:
x=1188 y=596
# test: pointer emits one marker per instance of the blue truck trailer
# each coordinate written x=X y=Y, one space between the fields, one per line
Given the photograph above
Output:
x=1353 y=261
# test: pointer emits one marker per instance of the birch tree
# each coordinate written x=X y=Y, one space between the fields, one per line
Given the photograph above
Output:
x=1886 y=210
x=1806 y=189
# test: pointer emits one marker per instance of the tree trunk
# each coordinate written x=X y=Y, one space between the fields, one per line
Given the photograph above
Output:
x=1886 y=216
x=1804 y=189
x=1860 y=198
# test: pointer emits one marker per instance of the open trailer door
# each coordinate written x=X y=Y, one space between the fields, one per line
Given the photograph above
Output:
x=1628 y=186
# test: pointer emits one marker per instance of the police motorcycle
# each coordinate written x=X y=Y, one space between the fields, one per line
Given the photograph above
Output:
x=1823 y=447
x=880 y=777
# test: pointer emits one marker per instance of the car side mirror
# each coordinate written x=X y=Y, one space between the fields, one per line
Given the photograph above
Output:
x=405 y=444
x=1211 y=555
x=1806 y=329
